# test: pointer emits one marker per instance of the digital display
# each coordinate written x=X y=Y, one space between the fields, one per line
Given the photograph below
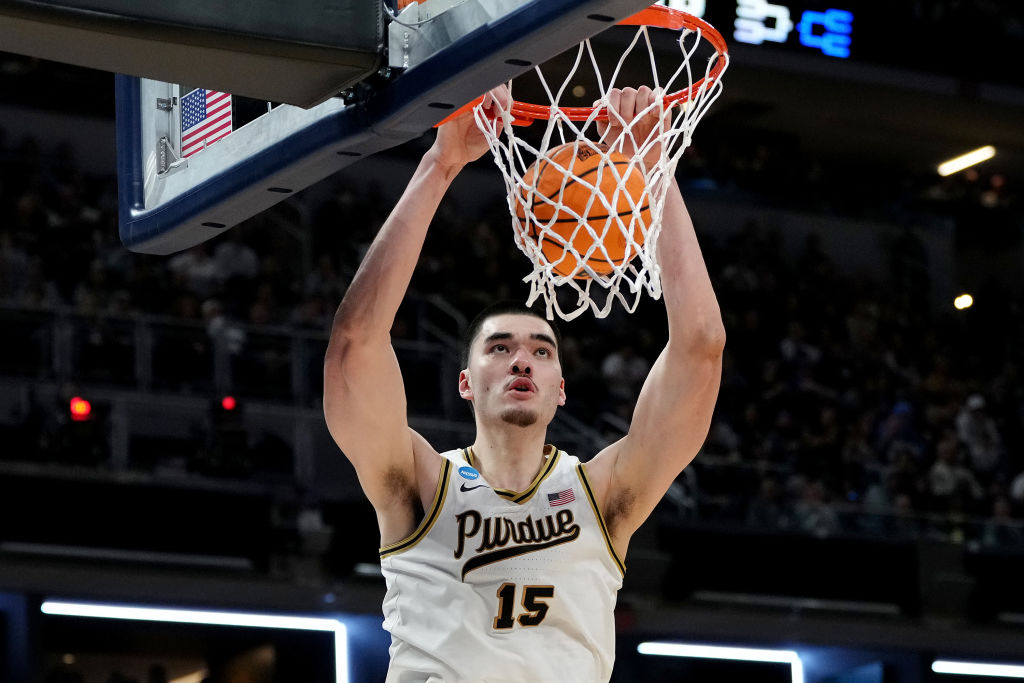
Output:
x=933 y=37
x=828 y=30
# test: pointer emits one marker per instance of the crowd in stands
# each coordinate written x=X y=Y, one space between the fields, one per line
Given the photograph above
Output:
x=847 y=405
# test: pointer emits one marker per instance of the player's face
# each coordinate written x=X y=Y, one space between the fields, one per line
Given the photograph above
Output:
x=514 y=374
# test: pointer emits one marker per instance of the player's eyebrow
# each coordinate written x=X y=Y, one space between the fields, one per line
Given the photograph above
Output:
x=496 y=336
x=536 y=336
x=540 y=336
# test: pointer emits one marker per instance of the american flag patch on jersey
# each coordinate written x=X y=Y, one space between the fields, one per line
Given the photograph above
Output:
x=561 y=498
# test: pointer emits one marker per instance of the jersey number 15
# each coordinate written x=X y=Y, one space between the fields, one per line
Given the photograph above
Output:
x=535 y=608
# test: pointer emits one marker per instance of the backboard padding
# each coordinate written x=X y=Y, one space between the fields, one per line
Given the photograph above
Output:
x=299 y=53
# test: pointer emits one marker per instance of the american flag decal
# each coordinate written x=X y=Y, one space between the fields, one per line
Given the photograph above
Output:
x=205 y=118
x=561 y=498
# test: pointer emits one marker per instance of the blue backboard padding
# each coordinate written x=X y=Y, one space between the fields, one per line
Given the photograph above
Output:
x=395 y=113
x=129 y=140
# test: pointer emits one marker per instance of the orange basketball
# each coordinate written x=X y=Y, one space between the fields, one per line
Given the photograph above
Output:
x=556 y=178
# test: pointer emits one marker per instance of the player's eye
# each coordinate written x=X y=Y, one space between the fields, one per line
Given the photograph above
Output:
x=500 y=348
x=543 y=352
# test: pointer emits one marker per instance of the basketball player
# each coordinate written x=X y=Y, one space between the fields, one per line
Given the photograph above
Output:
x=503 y=558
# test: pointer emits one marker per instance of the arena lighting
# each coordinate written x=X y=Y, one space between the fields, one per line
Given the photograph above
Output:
x=964 y=160
x=945 y=666
x=80 y=409
x=742 y=654
x=184 y=616
x=962 y=302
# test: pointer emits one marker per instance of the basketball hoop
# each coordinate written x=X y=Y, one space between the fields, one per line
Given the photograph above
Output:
x=690 y=93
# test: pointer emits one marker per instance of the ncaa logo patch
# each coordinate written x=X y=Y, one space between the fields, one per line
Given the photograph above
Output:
x=468 y=472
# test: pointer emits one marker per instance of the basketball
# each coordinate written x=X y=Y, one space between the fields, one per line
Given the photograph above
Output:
x=558 y=188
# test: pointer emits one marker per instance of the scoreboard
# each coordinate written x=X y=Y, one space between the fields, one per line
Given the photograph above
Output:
x=946 y=38
x=825 y=28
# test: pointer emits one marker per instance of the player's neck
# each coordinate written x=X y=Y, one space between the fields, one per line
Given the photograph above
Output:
x=509 y=458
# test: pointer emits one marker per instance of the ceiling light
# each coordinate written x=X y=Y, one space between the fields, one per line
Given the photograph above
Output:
x=207 y=617
x=941 y=666
x=743 y=654
x=964 y=160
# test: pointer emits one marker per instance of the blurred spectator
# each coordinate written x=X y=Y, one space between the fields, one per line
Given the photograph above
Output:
x=903 y=523
x=977 y=430
x=196 y=271
x=812 y=512
x=37 y=292
x=625 y=371
x=90 y=295
x=325 y=281
x=236 y=259
x=312 y=313
x=898 y=433
x=1017 y=490
x=948 y=477
x=767 y=509
x=224 y=333
x=13 y=266
x=1001 y=530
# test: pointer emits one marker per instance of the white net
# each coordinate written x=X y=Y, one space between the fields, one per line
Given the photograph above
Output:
x=586 y=209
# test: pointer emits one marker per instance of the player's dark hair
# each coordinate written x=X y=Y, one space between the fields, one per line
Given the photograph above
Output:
x=504 y=308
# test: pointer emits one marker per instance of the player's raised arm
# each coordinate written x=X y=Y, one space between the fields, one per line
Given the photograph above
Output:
x=364 y=397
x=673 y=413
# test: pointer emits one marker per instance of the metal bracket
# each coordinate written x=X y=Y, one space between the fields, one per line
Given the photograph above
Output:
x=424 y=28
x=161 y=155
x=166 y=103
x=164 y=153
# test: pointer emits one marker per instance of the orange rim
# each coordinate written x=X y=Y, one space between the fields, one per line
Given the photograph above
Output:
x=657 y=16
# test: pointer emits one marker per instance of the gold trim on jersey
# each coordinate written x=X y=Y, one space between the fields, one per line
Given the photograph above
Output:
x=581 y=471
x=551 y=453
x=428 y=519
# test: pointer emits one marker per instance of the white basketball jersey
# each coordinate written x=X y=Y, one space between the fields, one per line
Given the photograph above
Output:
x=499 y=586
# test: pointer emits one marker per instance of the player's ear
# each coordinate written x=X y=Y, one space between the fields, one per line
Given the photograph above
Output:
x=561 y=393
x=465 y=390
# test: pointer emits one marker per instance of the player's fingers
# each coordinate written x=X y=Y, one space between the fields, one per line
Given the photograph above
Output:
x=613 y=128
x=602 y=126
x=614 y=97
x=501 y=96
x=665 y=107
x=645 y=100
x=627 y=104
x=497 y=100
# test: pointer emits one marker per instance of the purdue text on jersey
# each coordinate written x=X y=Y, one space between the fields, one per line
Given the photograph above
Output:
x=526 y=536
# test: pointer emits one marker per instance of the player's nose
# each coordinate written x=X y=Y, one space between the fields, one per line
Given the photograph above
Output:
x=521 y=364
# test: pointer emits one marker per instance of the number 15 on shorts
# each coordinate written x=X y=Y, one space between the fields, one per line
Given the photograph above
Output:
x=534 y=609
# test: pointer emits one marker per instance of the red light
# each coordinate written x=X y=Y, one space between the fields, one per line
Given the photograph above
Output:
x=228 y=403
x=80 y=409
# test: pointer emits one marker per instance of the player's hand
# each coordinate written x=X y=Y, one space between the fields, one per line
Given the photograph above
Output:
x=635 y=122
x=460 y=141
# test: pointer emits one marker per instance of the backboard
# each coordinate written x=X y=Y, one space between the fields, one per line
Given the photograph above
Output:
x=434 y=57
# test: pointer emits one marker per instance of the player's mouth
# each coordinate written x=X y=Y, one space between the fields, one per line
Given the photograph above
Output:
x=522 y=388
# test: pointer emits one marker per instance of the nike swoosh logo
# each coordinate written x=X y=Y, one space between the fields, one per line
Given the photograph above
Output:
x=463 y=488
